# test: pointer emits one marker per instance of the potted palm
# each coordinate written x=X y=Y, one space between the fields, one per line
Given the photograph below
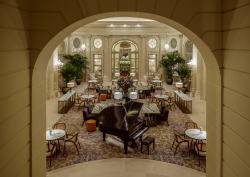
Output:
x=80 y=62
x=168 y=61
x=68 y=72
x=185 y=73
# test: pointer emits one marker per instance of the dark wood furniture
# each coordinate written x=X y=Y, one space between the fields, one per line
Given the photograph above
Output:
x=181 y=142
x=122 y=122
x=51 y=150
x=147 y=141
x=72 y=140
x=200 y=150
x=163 y=116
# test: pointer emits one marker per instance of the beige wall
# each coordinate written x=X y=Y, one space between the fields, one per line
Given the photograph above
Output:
x=236 y=85
x=28 y=39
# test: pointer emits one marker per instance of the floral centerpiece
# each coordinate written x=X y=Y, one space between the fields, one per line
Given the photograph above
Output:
x=125 y=83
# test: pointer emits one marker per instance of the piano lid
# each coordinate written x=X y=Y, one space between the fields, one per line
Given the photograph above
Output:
x=120 y=117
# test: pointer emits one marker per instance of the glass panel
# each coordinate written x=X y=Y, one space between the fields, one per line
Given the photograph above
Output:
x=117 y=55
x=132 y=55
x=97 y=63
x=152 y=64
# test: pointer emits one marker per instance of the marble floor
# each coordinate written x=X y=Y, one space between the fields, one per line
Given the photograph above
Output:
x=123 y=167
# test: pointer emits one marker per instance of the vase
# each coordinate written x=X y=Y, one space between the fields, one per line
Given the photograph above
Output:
x=50 y=132
x=78 y=81
x=184 y=90
x=125 y=93
x=65 y=90
x=169 y=81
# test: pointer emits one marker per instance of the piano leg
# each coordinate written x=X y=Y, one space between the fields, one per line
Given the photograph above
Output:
x=126 y=146
x=104 y=135
x=133 y=144
x=141 y=138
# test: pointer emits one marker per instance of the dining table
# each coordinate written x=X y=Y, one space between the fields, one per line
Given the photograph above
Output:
x=141 y=88
x=161 y=97
x=87 y=97
x=56 y=134
x=148 y=109
x=196 y=135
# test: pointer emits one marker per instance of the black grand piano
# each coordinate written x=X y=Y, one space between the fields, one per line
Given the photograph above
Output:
x=122 y=122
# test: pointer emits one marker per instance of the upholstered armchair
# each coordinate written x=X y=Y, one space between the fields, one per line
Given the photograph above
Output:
x=87 y=116
x=147 y=92
x=98 y=90
x=163 y=116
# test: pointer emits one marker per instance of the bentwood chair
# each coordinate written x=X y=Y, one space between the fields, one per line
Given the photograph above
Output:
x=190 y=125
x=170 y=102
x=200 y=150
x=51 y=150
x=72 y=141
x=181 y=142
x=154 y=99
x=78 y=103
x=96 y=99
x=61 y=126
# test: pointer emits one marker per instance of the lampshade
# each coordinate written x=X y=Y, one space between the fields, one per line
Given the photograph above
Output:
x=117 y=74
x=179 y=85
x=133 y=95
x=118 y=95
x=70 y=84
x=132 y=74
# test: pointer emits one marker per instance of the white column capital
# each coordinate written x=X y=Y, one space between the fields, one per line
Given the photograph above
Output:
x=87 y=36
x=162 y=36
x=106 y=37
x=143 y=36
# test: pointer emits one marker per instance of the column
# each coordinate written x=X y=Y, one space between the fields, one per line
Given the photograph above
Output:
x=88 y=55
x=106 y=67
x=55 y=60
x=161 y=52
x=198 y=93
x=143 y=60
x=195 y=53
x=180 y=46
x=51 y=91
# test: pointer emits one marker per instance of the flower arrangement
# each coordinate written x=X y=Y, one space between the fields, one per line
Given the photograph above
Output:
x=201 y=130
x=125 y=83
x=50 y=131
x=148 y=101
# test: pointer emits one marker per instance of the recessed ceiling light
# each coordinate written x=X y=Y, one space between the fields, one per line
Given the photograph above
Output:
x=125 y=25
x=111 y=25
x=138 y=25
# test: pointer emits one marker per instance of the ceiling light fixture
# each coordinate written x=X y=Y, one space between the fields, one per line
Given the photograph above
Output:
x=138 y=25
x=125 y=25
x=111 y=25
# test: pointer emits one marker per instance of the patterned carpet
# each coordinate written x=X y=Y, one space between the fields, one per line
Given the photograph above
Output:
x=93 y=147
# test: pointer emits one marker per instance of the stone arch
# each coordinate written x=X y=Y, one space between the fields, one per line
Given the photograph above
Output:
x=205 y=46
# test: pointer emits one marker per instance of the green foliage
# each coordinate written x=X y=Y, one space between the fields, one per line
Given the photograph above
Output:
x=68 y=73
x=78 y=61
x=184 y=73
x=168 y=61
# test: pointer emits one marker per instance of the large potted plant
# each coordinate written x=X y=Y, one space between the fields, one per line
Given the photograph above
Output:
x=68 y=73
x=185 y=73
x=168 y=61
x=80 y=62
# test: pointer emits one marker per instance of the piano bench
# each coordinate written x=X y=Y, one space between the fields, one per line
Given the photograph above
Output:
x=147 y=141
x=103 y=97
x=91 y=125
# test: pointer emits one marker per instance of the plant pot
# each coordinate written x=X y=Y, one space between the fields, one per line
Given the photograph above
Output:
x=78 y=81
x=184 y=89
x=65 y=90
x=169 y=81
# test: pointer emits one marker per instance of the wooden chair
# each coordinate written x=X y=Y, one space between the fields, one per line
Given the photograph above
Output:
x=100 y=83
x=51 y=150
x=61 y=126
x=72 y=141
x=191 y=125
x=78 y=103
x=96 y=99
x=200 y=150
x=180 y=141
x=149 y=84
x=79 y=95
x=170 y=102
x=153 y=98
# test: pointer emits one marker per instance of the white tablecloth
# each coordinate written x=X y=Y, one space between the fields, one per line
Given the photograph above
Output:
x=87 y=97
x=161 y=96
x=56 y=134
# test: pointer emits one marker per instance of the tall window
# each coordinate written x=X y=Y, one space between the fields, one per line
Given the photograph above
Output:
x=189 y=51
x=152 y=64
x=97 y=63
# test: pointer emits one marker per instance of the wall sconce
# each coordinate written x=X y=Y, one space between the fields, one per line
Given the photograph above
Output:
x=83 y=46
x=191 y=63
x=166 y=46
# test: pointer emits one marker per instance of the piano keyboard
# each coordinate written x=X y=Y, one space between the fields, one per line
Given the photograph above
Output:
x=139 y=132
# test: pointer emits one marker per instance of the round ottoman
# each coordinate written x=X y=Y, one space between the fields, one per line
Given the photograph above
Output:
x=103 y=97
x=91 y=125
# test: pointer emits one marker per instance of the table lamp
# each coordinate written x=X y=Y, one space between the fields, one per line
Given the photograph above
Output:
x=70 y=85
x=118 y=95
x=133 y=95
x=179 y=85
x=117 y=74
